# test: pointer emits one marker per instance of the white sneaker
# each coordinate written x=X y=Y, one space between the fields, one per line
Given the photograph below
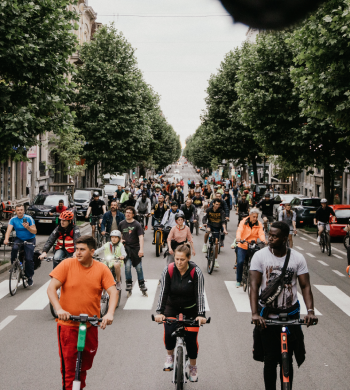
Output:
x=193 y=377
x=216 y=265
x=169 y=363
x=205 y=248
x=318 y=238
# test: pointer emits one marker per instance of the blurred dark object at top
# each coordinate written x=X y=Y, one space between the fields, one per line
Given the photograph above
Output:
x=269 y=14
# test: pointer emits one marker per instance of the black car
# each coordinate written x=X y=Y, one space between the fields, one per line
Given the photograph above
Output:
x=43 y=203
x=305 y=209
x=257 y=191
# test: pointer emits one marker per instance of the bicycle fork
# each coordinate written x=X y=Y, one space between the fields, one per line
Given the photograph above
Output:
x=285 y=359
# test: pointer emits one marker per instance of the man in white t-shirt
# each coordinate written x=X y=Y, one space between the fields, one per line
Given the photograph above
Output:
x=266 y=265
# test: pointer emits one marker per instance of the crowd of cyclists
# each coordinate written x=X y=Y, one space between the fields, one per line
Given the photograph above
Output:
x=167 y=207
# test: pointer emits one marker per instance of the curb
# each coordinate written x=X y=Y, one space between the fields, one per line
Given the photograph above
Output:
x=4 y=268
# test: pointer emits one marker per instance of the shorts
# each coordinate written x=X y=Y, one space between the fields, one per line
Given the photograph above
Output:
x=269 y=217
x=323 y=224
x=216 y=231
x=94 y=217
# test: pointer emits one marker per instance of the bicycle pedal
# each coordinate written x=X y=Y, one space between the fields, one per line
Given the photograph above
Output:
x=167 y=369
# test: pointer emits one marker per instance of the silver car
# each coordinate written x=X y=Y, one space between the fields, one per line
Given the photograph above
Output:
x=277 y=208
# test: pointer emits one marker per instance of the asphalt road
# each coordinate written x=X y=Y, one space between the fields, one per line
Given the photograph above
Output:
x=131 y=351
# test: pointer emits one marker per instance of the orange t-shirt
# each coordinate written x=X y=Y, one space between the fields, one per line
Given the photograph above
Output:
x=81 y=287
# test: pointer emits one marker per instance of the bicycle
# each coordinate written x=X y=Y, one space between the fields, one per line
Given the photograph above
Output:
x=253 y=247
x=104 y=305
x=142 y=220
x=284 y=323
x=325 y=240
x=241 y=216
x=346 y=240
x=181 y=360
x=196 y=225
x=105 y=238
x=158 y=238
x=211 y=251
x=95 y=220
x=17 y=270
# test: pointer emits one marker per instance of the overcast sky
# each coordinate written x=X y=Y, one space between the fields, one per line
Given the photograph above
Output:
x=176 y=54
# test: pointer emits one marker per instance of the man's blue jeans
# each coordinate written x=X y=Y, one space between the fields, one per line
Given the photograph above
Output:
x=128 y=265
x=28 y=255
x=59 y=255
x=241 y=254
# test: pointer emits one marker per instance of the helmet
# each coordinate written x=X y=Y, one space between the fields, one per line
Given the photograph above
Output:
x=127 y=188
x=216 y=187
x=178 y=215
x=67 y=215
x=219 y=185
x=246 y=192
x=198 y=190
x=198 y=183
x=157 y=186
x=115 y=233
x=96 y=193
x=323 y=200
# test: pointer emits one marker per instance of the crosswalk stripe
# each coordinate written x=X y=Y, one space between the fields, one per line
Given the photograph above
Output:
x=310 y=254
x=312 y=243
x=336 y=296
x=338 y=257
x=139 y=302
x=6 y=321
x=337 y=272
x=37 y=301
x=4 y=288
x=300 y=248
x=206 y=302
x=239 y=297
x=303 y=309
x=323 y=263
x=303 y=238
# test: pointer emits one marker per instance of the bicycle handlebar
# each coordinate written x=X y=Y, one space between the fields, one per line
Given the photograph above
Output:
x=20 y=243
x=183 y=321
x=285 y=323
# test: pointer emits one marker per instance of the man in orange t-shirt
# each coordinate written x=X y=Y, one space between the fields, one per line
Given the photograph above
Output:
x=82 y=280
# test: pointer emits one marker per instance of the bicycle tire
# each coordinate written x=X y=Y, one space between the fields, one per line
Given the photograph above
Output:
x=211 y=259
x=322 y=244
x=15 y=275
x=179 y=369
x=346 y=240
x=244 y=276
x=248 y=282
x=197 y=228
x=104 y=303
x=158 y=244
x=328 y=244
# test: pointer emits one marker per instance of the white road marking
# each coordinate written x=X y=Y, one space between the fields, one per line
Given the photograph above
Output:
x=139 y=302
x=336 y=296
x=338 y=257
x=310 y=254
x=6 y=321
x=303 y=238
x=239 y=297
x=206 y=302
x=300 y=248
x=4 y=288
x=312 y=243
x=37 y=301
x=303 y=309
x=335 y=249
x=323 y=263
x=338 y=272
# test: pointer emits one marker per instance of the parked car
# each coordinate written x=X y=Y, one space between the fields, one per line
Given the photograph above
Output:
x=284 y=198
x=305 y=209
x=341 y=219
x=82 y=198
x=43 y=203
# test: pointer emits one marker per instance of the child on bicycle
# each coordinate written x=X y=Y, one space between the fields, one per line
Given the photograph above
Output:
x=112 y=249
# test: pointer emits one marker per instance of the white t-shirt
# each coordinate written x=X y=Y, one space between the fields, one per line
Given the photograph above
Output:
x=271 y=267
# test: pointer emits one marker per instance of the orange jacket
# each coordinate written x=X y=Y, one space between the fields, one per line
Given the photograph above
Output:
x=245 y=232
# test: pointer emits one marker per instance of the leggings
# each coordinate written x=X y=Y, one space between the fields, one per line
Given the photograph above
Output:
x=191 y=339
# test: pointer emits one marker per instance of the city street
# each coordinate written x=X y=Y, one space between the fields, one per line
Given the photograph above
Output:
x=131 y=352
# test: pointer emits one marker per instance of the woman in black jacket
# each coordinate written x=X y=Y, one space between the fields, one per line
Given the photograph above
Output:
x=182 y=291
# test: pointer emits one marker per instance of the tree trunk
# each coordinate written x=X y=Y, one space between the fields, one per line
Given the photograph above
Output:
x=255 y=170
x=327 y=177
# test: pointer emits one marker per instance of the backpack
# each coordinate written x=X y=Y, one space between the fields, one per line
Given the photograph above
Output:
x=171 y=270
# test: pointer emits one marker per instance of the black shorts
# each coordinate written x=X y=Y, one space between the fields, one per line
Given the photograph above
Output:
x=94 y=217
x=269 y=217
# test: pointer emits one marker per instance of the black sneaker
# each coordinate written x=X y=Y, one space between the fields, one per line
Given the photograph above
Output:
x=30 y=282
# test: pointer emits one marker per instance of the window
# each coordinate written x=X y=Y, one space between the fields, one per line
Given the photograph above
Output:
x=342 y=213
x=312 y=202
x=50 y=200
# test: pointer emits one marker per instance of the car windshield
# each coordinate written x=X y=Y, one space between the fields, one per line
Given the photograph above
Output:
x=50 y=200
x=288 y=197
x=118 y=182
x=85 y=195
x=261 y=189
x=312 y=202
x=345 y=213
x=109 y=188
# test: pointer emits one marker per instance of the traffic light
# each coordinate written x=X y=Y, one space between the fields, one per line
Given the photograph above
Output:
x=239 y=175
x=133 y=173
x=252 y=173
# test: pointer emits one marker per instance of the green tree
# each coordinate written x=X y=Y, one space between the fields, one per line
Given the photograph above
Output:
x=36 y=40
x=197 y=150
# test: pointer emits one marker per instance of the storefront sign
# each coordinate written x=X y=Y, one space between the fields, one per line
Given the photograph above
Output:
x=32 y=152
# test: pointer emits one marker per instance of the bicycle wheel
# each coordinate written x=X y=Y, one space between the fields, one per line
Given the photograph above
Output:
x=179 y=375
x=104 y=303
x=158 y=244
x=15 y=275
x=245 y=276
x=346 y=241
x=248 y=282
x=197 y=228
x=210 y=258
x=322 y=243
x=328 y=244
x=52 y=310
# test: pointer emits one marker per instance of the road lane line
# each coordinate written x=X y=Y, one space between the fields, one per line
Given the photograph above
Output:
x=6 y=321
x=338 y=257
x=310 y=254
x=139 y=302
x=323 y=263
x=300 y=248
x=336 y=296
x=239 y=297
x=303 y=238
x=312 y=243
x=4 y=288
x=37 y=301
x=338 y=272
x=303 y=309
x=338 y=250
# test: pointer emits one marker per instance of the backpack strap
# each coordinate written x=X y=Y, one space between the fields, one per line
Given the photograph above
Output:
x=171 y=269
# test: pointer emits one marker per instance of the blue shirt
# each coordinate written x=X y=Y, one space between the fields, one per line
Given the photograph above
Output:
x=21 y=232
x=205 y=182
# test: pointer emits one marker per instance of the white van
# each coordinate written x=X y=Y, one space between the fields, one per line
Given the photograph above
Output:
x=118 y=180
